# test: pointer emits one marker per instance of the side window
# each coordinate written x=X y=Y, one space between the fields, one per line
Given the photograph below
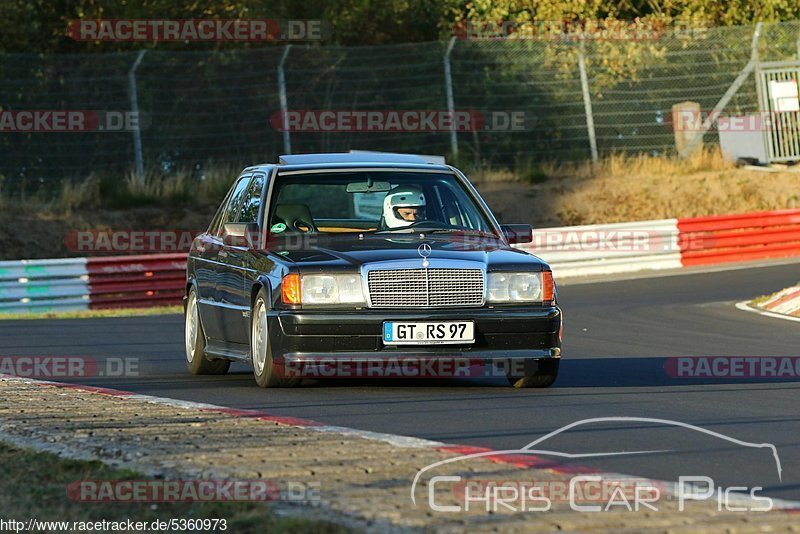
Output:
x=213 y=228
x=252 y=202
x=449 y=206
x=235 y=203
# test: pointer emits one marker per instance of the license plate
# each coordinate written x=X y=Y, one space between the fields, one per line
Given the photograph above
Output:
x=439 y=333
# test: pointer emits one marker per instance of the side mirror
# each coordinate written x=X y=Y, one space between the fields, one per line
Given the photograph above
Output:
x=241 y=234
x=518 y=233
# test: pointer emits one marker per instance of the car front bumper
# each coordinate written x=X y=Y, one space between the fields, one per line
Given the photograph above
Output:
x=501 y=333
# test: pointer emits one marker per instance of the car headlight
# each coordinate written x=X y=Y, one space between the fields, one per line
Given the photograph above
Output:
x=520 y=287
x=320 y=289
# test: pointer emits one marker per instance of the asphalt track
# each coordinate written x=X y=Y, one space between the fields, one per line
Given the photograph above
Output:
x=617 y=337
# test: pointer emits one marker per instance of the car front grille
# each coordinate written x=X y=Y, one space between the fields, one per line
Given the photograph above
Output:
x=419 y=288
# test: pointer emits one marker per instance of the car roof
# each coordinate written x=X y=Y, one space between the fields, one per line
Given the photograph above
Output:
x=358 y=159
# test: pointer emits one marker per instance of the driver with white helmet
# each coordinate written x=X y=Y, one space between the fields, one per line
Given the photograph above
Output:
x=403 y=206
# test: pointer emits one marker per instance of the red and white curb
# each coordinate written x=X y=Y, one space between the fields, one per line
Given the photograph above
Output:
x=523 y=461
x=786 y=302
x=783 y=305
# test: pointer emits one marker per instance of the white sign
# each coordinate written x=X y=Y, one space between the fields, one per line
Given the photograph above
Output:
x=784 y=95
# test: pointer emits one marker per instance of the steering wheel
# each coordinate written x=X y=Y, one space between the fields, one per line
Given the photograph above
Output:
x=299 y=225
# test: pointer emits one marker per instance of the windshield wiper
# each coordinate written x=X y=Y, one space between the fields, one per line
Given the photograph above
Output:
x=423 y=230
x=476 y=233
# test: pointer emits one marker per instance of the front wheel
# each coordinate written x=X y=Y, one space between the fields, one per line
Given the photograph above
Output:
x=535 y=373
x=267 y=374
x=195 y=342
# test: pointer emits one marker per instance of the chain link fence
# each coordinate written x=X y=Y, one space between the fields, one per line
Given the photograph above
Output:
x=201 y=109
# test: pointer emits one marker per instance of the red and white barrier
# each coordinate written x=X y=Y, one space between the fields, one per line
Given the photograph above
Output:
x=92 y=283
x=743 y=237
x=667 y=243
x=608 y=248
x=136 y=281
x=158 y=280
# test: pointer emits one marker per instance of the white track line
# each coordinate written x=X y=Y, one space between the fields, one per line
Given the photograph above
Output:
x=745 y=306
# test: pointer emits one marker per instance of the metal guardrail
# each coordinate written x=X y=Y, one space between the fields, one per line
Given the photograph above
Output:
x=91 y=283
x=43 y=285
x=608 y=248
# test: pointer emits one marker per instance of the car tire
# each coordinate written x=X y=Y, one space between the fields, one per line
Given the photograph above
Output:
x=537 y=374
x=266 y=373
x=195 y=343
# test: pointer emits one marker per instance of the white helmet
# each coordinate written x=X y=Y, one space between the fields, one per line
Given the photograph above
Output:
x=401 y=197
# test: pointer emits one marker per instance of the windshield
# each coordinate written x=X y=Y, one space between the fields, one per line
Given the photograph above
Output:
x=374 y=201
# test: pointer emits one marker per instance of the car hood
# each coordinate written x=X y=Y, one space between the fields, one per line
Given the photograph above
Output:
x=318 y=253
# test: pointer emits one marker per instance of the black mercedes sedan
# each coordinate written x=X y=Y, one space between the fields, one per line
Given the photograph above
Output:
x=347 y=264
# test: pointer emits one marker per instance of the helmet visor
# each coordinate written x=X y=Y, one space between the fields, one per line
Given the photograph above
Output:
x=410 y=213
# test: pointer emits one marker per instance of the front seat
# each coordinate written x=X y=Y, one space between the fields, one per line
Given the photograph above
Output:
x=297 y=217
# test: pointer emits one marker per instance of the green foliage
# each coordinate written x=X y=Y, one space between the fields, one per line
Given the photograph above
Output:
x=39 y=26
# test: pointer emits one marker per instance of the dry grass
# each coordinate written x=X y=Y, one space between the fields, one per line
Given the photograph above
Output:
x=210 y=186
x=640 y=188
x=619 y=187
x=623 y=187
x=74 y=194
x=620 y=165
x=124 y=191
x=613 y=165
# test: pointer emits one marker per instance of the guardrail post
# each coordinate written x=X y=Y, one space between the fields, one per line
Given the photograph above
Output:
x=587 y=101
x=287 y=142
x=137 y=131
x=448 y=81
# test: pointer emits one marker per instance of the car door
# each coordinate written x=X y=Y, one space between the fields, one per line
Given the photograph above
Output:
x=233 y=291
x=206 y=265
x=212 y=316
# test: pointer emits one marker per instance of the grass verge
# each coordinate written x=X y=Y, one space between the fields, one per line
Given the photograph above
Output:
x=34 y=485
x=758 y=301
